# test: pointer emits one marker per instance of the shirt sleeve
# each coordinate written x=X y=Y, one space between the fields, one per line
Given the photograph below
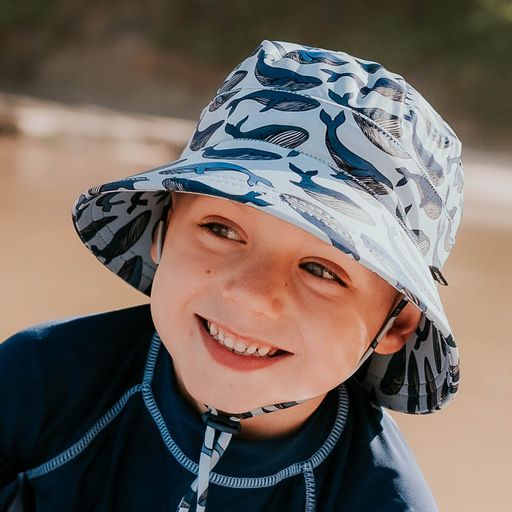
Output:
x=21 y=412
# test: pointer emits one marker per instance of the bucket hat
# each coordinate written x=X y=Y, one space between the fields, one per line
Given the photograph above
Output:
x=340 y=147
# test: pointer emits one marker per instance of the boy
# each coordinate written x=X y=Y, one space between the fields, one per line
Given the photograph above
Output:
x=291 y=255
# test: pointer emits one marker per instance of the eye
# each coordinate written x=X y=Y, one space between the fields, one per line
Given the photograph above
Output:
x=221 y=230
x=322 y=272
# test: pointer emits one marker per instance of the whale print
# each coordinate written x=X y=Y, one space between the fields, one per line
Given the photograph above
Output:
x=426 y=158
x=369 y=67
x=126 y=184
x=332 y=198
x=81 y=205
x=89 y=232
x=383 y=86
x=135 y=200
x=124 y=238
x=436 y=341
x=131 y=271
x=413 y=383
x=240 y=154
x=314 y=57
x=232 y=81
x=350 y=162
x=339 y=236
x=409 y=269
x=389 y=263
x=286 y=136
x=201 y=137
x=186 y=185
x=277 y=100
x=431 y=203
x=422 y=333
x=394 y=377
x=106 y=201
x=432 y=401
x=282 y=78
x=422 y=241
x=383 y=119
x=210 y=167
x=220 y=99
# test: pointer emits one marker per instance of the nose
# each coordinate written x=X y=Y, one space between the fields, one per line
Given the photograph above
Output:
x=257 y=286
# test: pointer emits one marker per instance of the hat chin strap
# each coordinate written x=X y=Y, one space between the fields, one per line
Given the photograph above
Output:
x=221 y=427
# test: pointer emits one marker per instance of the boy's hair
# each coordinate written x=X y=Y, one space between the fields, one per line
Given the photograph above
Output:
x=338 y=146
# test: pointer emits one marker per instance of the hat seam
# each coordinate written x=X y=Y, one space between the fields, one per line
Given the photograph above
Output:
x=352 y=178
x=382 y=130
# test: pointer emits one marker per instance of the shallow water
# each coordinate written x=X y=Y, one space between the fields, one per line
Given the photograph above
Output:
x=46 y=273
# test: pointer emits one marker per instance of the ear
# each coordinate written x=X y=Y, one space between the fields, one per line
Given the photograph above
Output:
x=401 y=330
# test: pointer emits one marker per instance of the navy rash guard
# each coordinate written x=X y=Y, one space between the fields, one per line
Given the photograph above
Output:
x=91 y=420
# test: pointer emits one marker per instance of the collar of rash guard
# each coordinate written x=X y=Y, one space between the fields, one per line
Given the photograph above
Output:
x=267 y=456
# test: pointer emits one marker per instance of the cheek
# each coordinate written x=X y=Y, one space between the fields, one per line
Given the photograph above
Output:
x=334 y=347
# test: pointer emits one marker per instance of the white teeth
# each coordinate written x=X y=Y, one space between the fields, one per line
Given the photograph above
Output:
x=238 y=346
x=263 y=351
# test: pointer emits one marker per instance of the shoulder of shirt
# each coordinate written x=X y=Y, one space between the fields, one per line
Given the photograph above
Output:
x=58 y=377
x=380 y=457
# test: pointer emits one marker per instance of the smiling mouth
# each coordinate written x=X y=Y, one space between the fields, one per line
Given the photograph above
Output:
x=241 y=347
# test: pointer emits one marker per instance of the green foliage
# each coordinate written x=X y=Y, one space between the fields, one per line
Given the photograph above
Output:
x=461 y=48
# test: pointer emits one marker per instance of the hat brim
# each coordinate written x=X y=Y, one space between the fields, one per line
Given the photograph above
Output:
x=116 y=222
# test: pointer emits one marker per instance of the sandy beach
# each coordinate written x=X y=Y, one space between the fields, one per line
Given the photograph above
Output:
x=46 y=273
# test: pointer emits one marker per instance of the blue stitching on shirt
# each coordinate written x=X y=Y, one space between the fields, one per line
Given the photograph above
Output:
x=80 y=445
x=309 y=480
x=241 y=482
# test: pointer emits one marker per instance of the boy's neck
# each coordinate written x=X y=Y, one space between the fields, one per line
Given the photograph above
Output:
x=266 y=426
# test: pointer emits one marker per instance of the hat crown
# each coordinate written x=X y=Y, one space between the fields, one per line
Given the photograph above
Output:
x=366 y=122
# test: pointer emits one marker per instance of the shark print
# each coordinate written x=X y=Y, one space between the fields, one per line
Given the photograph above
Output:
x=282 y=78
x=339 y=236
x=286 y=136
x=332 y=198
x=201 y=137
x=350 y=162
x=211 y=167
x=277 y=100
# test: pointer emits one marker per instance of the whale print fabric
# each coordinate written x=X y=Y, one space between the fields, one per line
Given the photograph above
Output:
x=340 y=147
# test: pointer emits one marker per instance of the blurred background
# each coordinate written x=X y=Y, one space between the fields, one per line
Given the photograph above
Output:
x=95 y=90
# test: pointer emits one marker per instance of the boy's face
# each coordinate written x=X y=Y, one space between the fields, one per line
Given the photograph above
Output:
x=273 y=289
